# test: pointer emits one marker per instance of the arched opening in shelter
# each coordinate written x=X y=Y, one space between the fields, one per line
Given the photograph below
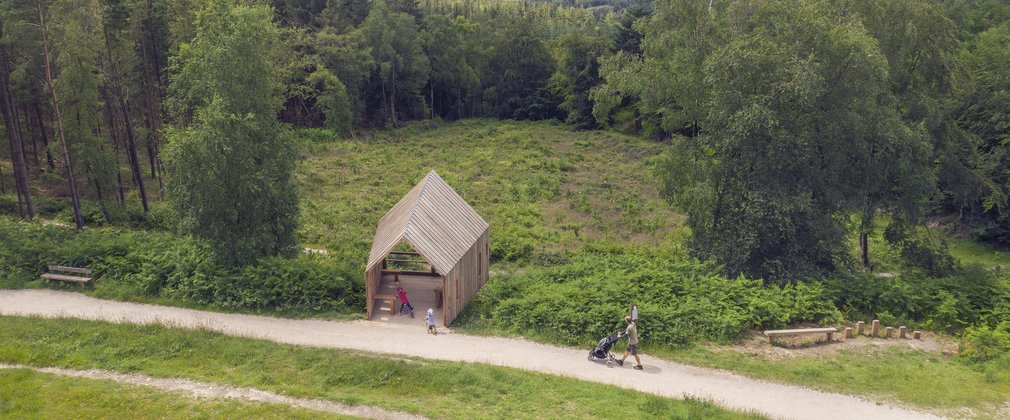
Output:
x=405 y=268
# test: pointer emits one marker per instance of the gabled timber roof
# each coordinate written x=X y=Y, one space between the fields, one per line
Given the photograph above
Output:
x=434 y=220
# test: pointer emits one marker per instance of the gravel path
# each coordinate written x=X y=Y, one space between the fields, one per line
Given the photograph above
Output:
x=209 y=390
x=660 y=377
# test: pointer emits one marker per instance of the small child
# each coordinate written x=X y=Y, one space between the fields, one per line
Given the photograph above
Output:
x=404 y=303
x=431 y=321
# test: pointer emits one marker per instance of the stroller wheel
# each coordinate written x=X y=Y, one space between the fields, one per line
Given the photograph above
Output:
x=610 y=364
x=590 y=358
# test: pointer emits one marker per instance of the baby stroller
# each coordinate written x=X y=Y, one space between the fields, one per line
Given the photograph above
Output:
x=602 y=349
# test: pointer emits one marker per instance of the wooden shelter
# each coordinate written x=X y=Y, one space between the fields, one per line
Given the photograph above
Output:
x=444 y=230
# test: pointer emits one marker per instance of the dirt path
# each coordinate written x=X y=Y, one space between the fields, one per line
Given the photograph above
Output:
x=659 y=377
x=209 y=390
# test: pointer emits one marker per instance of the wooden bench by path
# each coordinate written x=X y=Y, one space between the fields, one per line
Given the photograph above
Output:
x=388 y=298
x=771 y=334
x=64 y=273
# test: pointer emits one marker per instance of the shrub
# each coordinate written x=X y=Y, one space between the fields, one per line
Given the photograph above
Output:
x=131 y=263
x=679 y=301
x=44 y=205
x=518 y=235
x=920 y=250
x=988 y=348
x=8 y=204
x=312 y=135
x=949 y=303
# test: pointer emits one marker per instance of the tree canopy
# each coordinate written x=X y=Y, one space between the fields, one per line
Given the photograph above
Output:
x=229 y=166
x=792 y=129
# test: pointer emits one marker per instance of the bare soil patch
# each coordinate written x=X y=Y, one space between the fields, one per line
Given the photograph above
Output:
x=785 y=348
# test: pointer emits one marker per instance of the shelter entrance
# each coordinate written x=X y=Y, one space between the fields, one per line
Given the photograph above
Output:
x=423 y=284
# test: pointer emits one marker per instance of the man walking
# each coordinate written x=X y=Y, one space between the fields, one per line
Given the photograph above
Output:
x=632 y=333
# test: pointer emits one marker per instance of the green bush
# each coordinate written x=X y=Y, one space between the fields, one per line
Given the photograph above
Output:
x=45 y=205
x=518 y=235
x=921 y=250
x=8 y=204
x=949 y=303
x=680 y=301
x=988 y=348
x=312 y=135
x=158 y=264
x=160 y=217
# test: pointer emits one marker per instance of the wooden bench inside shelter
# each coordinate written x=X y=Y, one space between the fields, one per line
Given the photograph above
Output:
x=64 y=273
x=391 y=299
x=771 y=334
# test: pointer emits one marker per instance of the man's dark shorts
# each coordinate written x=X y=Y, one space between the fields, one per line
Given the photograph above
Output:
x=633 y=349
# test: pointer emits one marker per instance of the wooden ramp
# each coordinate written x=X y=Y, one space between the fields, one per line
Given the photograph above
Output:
x=421 y=293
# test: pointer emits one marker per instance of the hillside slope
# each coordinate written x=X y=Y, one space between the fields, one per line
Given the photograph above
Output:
x=543 y=188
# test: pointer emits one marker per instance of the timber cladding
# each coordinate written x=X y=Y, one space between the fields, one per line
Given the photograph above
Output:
x=446 y=231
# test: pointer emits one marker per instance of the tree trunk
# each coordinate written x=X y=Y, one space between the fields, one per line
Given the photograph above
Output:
x=385 y=105
x=432 y=113
x=14 y=133
x=864 y=251
x=157 y=113
x=392 y=106
x=156 y=121
x=74 y=197
x=25 y=132
x=114 y=135
x=35 y=144
x=151 y=155
x=119 y=183
x=153 y=99
x=151 y=131
x=45 y=137
x=98 y=193
x=21 y=200
x=131 y=144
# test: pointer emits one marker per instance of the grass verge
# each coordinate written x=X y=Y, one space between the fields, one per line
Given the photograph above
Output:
x=26 y=394
x=430 y=388
x=932 y=381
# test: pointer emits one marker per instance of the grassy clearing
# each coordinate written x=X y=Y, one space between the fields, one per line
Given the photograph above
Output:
x=888 y=259
x=543 y=188
x=970 y=252
x=430 y=388
x=26 y=394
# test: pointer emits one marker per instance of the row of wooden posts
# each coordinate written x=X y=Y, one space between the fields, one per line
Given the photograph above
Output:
x=875 y=331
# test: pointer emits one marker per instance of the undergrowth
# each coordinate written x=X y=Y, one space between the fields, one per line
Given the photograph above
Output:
x=131 y=264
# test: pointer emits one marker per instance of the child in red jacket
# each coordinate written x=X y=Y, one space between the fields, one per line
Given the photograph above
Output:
x=404 y=303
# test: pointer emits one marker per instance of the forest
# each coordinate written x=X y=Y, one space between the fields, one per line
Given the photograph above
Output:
x=774 y=163
x=790 y=127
